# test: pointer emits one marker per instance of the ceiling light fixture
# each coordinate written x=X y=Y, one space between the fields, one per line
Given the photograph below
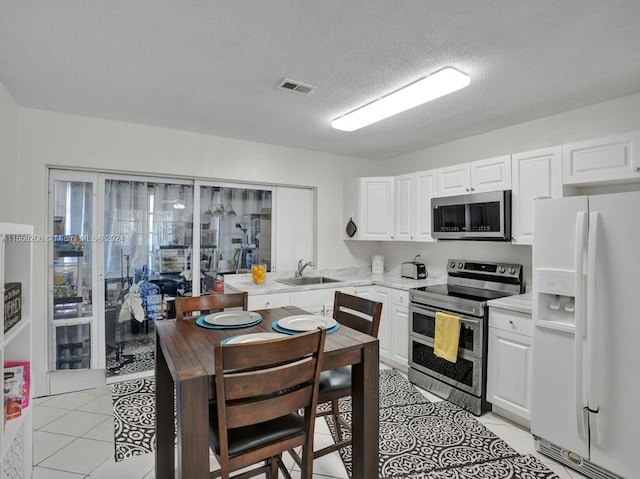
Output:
x=434 y=86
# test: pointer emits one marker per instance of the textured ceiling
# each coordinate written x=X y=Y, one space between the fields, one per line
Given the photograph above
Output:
x=212 y=66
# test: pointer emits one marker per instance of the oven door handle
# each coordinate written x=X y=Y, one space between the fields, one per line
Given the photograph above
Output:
x=432 y=313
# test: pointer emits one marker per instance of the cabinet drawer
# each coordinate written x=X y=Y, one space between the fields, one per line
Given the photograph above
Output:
x=265 y=301
x=510 y=321
x=400 y=297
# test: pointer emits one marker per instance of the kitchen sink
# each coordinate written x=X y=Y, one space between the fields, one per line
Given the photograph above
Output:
x=307 y=280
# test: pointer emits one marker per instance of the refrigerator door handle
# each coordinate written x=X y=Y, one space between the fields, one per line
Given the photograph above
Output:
x=592 y=325
x=581 y=390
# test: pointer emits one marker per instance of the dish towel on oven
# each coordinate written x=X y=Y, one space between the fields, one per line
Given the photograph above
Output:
x=447 y=335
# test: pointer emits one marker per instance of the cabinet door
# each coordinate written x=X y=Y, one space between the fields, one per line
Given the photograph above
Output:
x=383 y=295
x=376 y=201
x=493 y=174
x=400 y=335
x=314 y=301
x=404 y=207
x=509 y=372
x=536 y=174
x=454 y=180
x=615 y=159
x=425 y=189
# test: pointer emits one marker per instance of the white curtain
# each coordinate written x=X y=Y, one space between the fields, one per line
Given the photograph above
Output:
x=127 y=215
x=148 y=215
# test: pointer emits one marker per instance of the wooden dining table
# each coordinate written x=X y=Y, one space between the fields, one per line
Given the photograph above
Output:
x=185 y=364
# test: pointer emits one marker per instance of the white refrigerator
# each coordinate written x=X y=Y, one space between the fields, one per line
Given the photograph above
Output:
x=586 y=338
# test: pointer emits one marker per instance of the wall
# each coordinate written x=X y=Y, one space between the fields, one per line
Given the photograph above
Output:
x=9 y=115
x=602 y=119
x=66 y=140
x=48 y=138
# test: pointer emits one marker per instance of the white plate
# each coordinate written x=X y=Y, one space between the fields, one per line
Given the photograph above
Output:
x=232 y=318
x=306 y=322
x=253 y=337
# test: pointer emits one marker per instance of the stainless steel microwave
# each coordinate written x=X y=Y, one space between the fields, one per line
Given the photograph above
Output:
x=477 y=216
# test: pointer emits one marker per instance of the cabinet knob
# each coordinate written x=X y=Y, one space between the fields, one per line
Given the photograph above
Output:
x=267 y=303
x=511 y=321
x=637 y=168
x=467 y=189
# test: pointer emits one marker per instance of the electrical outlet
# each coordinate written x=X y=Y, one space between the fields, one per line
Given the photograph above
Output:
x=422 y=256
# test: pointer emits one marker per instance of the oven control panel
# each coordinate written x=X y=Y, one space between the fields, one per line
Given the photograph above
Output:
x=495 y=269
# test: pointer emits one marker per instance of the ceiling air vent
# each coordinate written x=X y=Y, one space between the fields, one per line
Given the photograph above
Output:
x=292 y=85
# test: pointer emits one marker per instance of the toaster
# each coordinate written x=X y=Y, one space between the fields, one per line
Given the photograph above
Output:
x=413 y=270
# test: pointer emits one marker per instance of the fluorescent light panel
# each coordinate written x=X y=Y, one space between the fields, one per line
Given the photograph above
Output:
x=434 y=86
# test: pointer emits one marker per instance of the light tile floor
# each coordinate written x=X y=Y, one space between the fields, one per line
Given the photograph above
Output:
x=73 y=439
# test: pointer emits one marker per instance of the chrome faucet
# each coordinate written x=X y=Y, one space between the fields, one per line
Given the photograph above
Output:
x=301 y=268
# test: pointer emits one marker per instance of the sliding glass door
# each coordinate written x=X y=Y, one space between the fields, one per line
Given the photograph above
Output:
x=73 y=282
x=124 y=247
x=149 y=265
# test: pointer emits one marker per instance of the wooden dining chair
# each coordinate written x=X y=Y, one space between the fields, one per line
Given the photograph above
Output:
x=260 y=387
x=362 y=315
x=209 y=303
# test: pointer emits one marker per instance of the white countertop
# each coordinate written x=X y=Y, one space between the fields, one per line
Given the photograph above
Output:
x=520 y=303
x=347 y=277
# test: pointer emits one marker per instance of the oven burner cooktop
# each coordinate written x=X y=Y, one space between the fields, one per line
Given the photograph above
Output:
x=470 y=285
x=472 y=294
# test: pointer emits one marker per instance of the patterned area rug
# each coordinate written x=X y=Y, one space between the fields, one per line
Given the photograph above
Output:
x=134 y=417
x=420 y=439
x=137 y=356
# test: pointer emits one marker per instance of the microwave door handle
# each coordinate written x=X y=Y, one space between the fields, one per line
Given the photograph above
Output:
x=581 y=391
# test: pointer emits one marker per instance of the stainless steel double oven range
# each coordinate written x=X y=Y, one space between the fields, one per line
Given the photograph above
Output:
x=469 y=286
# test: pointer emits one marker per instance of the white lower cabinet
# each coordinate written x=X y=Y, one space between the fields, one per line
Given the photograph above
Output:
x=394 y=327
x=383 y=295
x=266 y=301
x=510 y=364
x=368 y=292
x=315 y=301
x=394 y=324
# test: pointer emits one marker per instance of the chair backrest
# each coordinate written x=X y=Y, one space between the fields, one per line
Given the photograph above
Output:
x=209 y=303
x=261 y=381
x=357 y=313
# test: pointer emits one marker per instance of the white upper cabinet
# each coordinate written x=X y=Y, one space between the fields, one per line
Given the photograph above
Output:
x=369 y=203
x=536 y=174
x=492 y=174
x=413 y=193
x=615 y=159
x=425 y=189
x=405 y=206
x=454 y=180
